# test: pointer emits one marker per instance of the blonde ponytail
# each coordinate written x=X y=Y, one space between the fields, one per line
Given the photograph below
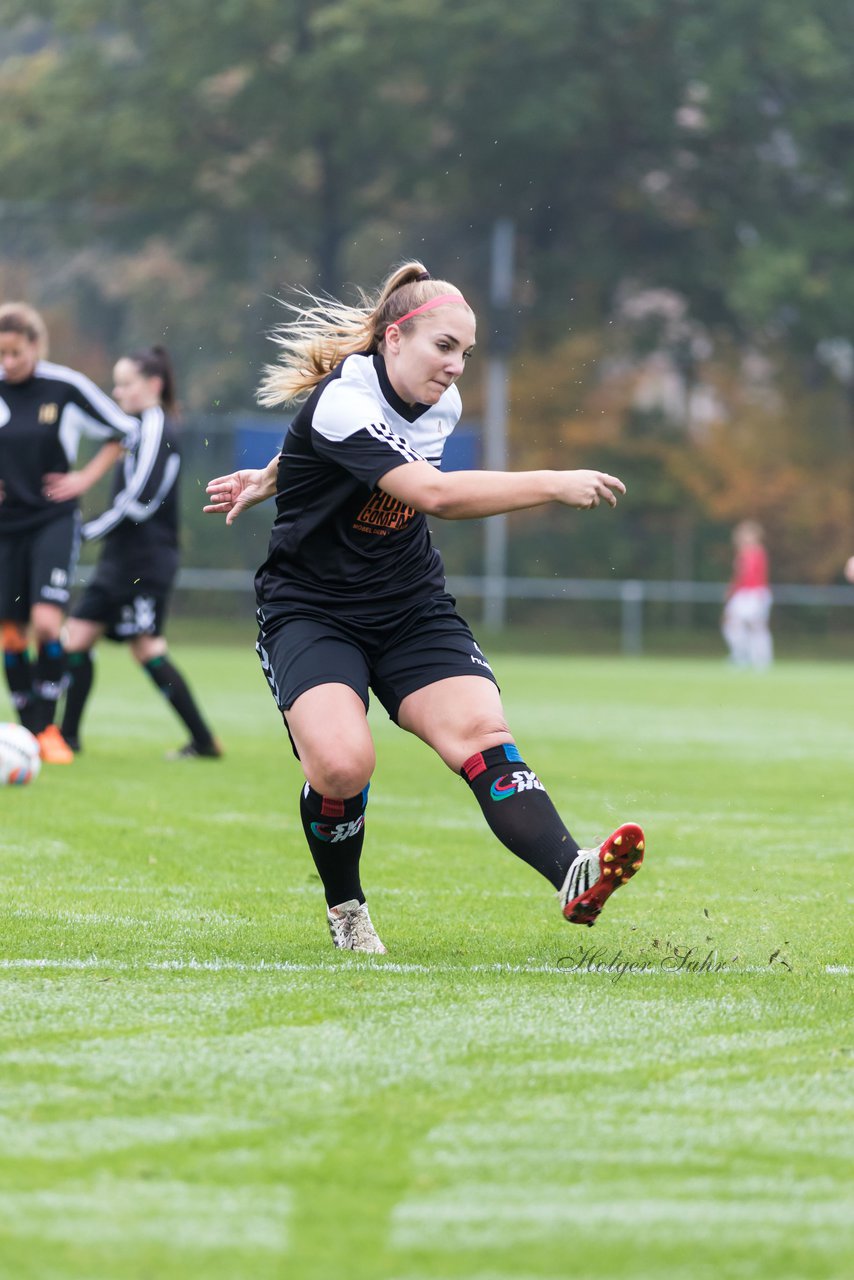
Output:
x=324 y=331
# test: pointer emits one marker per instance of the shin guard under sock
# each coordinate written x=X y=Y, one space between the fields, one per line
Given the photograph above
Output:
x=175 y=689
x=48 y=682
x=335 y=831
x=519 y=812
x=81 y=674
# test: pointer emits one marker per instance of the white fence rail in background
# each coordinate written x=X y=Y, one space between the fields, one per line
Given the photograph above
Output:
x=631 y=593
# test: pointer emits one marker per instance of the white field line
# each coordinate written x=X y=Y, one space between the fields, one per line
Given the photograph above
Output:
x=377 y=966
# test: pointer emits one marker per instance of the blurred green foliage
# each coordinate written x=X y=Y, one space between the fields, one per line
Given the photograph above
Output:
x=679 y=175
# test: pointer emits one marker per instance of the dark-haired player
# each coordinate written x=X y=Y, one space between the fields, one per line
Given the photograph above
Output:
x=128 y=597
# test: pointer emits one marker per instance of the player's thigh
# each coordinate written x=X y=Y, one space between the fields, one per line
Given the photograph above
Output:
x=46 y=621
x=79 y=634
x=318 y=675
x=144 y=648
x=52 y=562
x=457 y=717
x=329 y=728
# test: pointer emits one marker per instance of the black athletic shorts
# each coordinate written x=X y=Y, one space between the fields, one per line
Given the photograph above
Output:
x=36 y=567
x=125 y=612
x=301 y=648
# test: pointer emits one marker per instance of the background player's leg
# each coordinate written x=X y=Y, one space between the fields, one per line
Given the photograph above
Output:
x=761 y=646
x=53 y=555
x=18 y=667
x=49 y=682
x=81 y=636
x=14 y=612
x=735 y=631
x=152 y=654
x=81 y=677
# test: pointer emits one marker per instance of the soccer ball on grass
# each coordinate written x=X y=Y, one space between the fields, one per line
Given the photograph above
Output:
x=20 y=761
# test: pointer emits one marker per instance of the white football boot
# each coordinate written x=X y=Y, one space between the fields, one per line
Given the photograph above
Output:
x=351 y=928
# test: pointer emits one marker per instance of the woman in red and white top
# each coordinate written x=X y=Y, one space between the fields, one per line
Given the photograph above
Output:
x=748 y=604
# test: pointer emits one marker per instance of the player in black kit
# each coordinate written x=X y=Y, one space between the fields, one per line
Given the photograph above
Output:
x=128 y=596
x=44 y=410
x=352 y=594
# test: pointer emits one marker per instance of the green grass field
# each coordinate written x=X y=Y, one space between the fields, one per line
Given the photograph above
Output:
x=195 y=1084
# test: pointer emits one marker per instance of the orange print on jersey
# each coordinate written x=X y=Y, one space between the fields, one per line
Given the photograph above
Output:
x=382 y=514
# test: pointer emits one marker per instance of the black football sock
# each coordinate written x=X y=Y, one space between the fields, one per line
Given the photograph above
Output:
x=81 y=675
x=19 y=678
x=48 y=682
x=520 y=813
x=175 y=689
x=335 y=831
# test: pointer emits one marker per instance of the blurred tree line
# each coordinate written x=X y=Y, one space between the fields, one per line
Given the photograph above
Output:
x=679 y=175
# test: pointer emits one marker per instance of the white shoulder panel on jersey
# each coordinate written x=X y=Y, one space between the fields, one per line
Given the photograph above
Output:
x=346 y=405
x=355 y=402
x=100 y=401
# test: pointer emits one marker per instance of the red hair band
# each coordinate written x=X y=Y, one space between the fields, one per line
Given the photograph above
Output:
x=428 y=306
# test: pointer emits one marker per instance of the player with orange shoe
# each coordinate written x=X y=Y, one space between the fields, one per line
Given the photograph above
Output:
x=44 y=410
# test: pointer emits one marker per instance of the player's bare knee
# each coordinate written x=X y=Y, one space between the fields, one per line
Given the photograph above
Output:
x=45 y=634
x=339 y=778
x=46 y=621
x=488 y=732
x=477 y=738
x=144 y=648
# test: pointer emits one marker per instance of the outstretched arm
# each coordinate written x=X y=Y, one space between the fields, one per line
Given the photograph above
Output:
x=467 y=495
x=229 y=495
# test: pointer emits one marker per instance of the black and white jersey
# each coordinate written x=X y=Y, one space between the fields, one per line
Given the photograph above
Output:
x=140 y=527
x=338 y=541
x=41 y=422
